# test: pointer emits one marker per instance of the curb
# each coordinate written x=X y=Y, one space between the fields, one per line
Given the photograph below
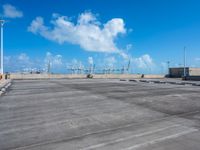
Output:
x=162 y=82
x=5 y=85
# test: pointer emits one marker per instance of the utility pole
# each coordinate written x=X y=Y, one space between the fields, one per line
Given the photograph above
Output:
x=1 y=24
x=184 y=62
x=94 y=68
x=49 y=67
x=128 y=67
x=168 y=65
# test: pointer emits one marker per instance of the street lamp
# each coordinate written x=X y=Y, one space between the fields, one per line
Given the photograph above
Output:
x=184 y=62
x=168 y=66
x=1 y=24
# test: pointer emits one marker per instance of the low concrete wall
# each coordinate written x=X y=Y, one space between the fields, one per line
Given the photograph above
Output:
x=4 y=84
x=193 y=78
x=68 y=76
x=44 y=76
x=154 y=76
x=116 y=76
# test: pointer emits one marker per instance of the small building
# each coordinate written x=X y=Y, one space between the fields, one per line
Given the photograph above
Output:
x=179 y=72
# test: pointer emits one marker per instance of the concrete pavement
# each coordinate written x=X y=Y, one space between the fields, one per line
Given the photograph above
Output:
x=100 y=114
x=4 y=84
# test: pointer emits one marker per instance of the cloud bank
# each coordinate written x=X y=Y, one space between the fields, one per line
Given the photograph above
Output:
x=58 y=64
x=10 y=11
x=89 y=33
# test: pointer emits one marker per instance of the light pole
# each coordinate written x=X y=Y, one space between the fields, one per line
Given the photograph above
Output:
x=2 y=23
x=184 y=62
x=168 y=65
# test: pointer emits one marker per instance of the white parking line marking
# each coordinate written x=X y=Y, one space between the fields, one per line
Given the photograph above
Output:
x=160 y=139
x=127 y=138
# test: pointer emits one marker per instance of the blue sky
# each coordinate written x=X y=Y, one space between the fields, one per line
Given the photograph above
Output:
x=107 y=33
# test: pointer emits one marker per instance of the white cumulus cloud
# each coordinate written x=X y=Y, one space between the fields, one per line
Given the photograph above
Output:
x=55 y=60
x=110 y=61
x=20 y=62
x=88 y=32
x=144 y=62
x=10 y=11
x=90 y=60
x=23 y=57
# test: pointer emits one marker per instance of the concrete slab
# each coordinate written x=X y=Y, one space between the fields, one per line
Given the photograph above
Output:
x=102 y=114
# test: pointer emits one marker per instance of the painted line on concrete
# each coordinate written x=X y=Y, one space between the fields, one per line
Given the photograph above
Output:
x=161 y=139
x=102 y=131
x=127 y=138
x=162 y=82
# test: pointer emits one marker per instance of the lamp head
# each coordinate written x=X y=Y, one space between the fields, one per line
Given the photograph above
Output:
x=2 y=22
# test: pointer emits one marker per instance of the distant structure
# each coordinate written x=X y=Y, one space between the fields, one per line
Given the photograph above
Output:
x=180 y=72
x=186 y=73
x=92 y=69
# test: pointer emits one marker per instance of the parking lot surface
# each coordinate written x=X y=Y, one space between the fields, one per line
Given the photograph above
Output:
x=100 y=114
